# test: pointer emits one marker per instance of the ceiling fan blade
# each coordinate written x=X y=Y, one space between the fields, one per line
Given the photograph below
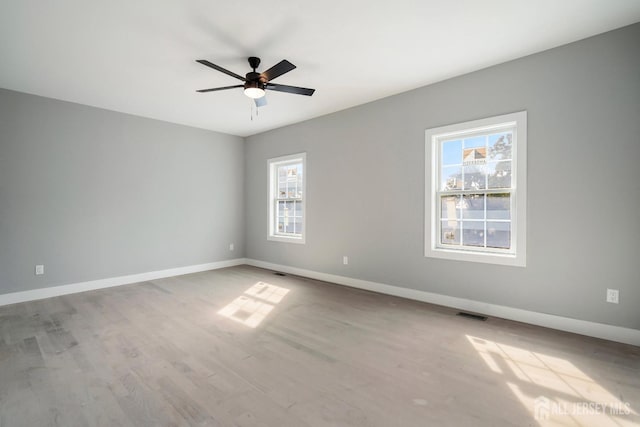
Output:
x=277 y=70
x=261 y=102
x=291 y=89
x=222 y=70
x=219 y=88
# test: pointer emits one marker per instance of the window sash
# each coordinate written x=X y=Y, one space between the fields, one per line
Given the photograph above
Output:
x=440 y=219
x=293 y=217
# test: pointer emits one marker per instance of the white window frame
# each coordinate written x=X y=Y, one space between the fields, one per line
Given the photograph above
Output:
x=516 y=255
x=272 y=167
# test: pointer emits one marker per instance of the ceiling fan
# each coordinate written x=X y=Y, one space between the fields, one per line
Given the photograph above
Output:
x=255 y=84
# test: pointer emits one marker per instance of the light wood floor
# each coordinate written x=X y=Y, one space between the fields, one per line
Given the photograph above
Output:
x=244 y=347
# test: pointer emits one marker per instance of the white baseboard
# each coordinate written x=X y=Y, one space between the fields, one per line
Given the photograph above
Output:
x=54 y=291
x=582 y=327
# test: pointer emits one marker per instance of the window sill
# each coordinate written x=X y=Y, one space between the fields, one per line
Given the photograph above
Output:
x=481 y=257
x=286 y=239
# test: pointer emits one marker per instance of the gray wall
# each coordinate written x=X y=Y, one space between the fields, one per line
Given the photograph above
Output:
x=94 y=194
x=366 y=183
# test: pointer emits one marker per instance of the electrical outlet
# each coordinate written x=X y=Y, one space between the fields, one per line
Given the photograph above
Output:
x=613 y=296
x=345 y=260
x=231 y=247
x=39 y=270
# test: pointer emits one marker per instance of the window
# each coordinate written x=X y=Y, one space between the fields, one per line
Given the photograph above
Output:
x=287 y=196
x=476 y=205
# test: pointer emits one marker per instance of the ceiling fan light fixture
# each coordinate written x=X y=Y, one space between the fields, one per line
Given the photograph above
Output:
x=254 y=90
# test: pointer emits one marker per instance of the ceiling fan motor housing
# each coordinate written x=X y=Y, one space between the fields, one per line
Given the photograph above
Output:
x=254 y=80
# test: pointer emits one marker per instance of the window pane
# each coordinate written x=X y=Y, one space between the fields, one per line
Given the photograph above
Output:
x=474 y=156
x=499 y=174
x=475 y=142
x=500 y=145
x=288 y=209
x=474 y=159
x=284 y=218
x=282 y=190
x=451 y=178
x=450 y=232
x=450 y=207
x=292 y=172
x=288 y=227
x=298 y=225
x=452 y=152
x=298 y=209
x=473 y=206
x=498 y=235
x=473 y=233
x=499 y=206
x=475 y=177
x=299 y=182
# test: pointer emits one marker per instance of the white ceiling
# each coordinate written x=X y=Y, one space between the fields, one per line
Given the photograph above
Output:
x=137 y=56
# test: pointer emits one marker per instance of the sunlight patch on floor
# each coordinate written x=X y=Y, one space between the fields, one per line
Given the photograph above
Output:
x=270 y=293
x=255 y=304
x=554 y=390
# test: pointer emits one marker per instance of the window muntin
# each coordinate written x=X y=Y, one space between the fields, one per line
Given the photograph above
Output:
x=477 y=203
x=287 y=198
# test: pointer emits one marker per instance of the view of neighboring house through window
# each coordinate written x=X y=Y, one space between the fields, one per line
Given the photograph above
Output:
x=477 y=204
x=287 y=198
